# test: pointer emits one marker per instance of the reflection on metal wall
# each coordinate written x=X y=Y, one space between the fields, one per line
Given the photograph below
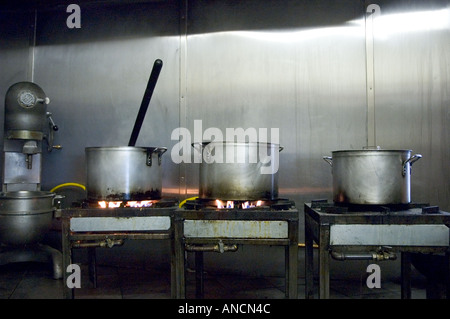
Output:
x=300 y=66
x=96 y=77
x=15 y=56
x=297 y=67
x=412 y=93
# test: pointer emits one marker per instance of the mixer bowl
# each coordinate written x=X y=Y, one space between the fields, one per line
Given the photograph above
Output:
x=25 y=216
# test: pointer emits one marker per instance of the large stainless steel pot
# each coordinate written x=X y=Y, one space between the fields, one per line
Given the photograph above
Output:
x=372 y=176
x=26 y=216
x=239 y=171
x=123 y=173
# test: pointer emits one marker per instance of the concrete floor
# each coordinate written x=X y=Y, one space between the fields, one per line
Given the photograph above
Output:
x=141 y=270
x=33 y=280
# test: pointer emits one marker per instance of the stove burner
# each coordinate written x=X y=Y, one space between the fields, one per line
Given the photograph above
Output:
x=206 y=203
x=154 y=203
x=338 y=208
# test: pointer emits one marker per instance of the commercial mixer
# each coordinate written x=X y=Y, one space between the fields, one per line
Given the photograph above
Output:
x=26 y=212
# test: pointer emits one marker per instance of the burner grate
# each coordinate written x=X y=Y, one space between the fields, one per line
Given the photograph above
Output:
x=159 y=203
x=339 y=208
x=206 y=203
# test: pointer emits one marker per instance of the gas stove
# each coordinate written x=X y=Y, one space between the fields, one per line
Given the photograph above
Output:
x=372 y=232
x=88 y=225
x=210 y=225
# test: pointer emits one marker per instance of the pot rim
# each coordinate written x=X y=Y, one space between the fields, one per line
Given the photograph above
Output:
x=125 y=148
x=26 y=194
x=205 y=143
x=371 y=151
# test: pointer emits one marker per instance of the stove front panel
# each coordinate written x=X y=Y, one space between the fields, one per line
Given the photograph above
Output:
x=389 y=235
x=235 y=229
x=144 y=223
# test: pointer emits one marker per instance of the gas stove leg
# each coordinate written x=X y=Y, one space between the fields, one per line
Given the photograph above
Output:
x=68 y=293
x=292 y=261
x=447 y=276
x=291 y=264
x=406 y=275
x=309 y=267
x=324 y=262
x=173 y=265
x=286 y=272
x=199 y=292
x=180 y=260
x=92 y=261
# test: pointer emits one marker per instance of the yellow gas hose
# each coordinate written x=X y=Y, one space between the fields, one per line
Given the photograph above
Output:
x=66 y=185
x=304 y=245
x=183 y=202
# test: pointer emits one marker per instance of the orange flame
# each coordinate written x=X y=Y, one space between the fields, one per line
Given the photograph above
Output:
x=220 y=204
x=144 y=203
x=230 y=204
x=250 y=204
x=105 y=204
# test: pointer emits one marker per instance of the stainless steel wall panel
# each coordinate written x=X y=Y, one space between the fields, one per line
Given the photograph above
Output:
x=281 y=68
x=15 y=64
x=412 y=93
x=96 y=77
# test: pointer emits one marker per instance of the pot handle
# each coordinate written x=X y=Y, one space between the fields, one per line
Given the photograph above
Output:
x=410 y=160
x=199 y=147
x=58 y=197
x=329 y=160
x=159 y=150
x=57 y=206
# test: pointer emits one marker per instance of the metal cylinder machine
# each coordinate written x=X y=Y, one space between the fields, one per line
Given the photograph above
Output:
x=26 y=212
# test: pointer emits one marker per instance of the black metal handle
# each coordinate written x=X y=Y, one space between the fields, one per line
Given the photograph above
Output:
x=145 y=101
x=150 y=150
x=52 y=123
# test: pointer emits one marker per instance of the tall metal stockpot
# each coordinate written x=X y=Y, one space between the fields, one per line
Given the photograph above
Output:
x=26 y=216
x=122 y=173
x=239 y=171
x=372 y=176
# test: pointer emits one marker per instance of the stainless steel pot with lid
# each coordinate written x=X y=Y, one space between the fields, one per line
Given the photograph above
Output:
x=372 y=176
x=239 y=170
